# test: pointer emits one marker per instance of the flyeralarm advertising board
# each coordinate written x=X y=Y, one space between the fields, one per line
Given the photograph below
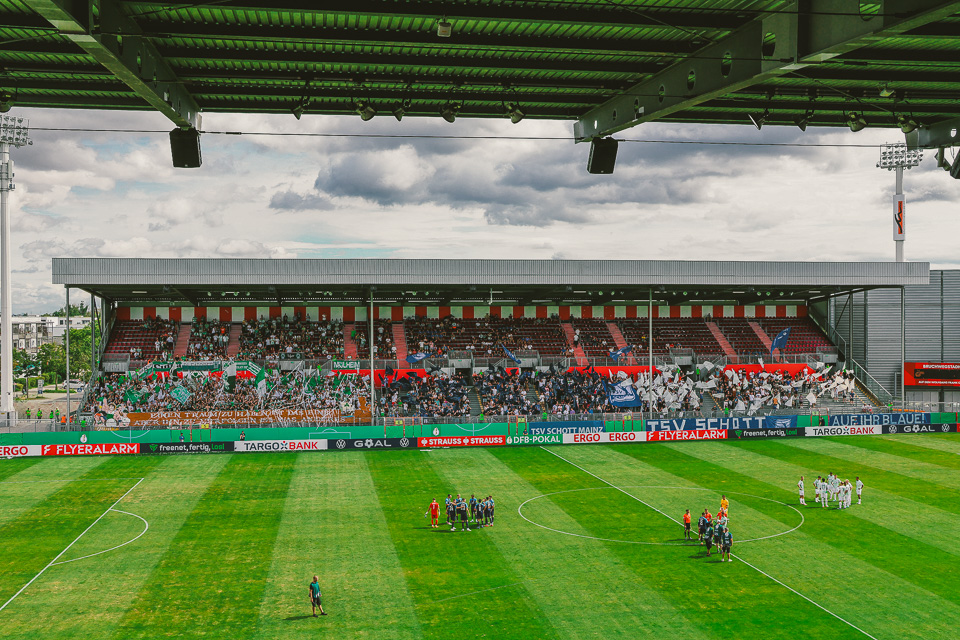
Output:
x=931 y=374
x=698 y=434
x=121 y=448
x=462 y=441
x=615 y=437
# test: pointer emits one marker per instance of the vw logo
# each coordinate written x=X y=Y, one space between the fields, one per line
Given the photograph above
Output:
x=404 y=442
x=893 y=429
x=944 y=428
x=341 y=444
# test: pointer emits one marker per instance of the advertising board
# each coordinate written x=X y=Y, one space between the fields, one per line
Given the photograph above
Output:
x=353 y=444
x=20 y=451
x=586 y=426
x=845 y=430
x=547 y=438
x=187 y=447
x=862 y=419
x=624 y=437
x=121 y=448
x=700 y=424
x=749 y=434
x=462 y=441
x=919 y=428
x=246 y=446
x=699 y=434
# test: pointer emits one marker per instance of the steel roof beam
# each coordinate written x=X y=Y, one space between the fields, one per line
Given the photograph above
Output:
x=130 y=58
x=324 y=59
x=353 y=37
x=557 y=14
x=766 y=48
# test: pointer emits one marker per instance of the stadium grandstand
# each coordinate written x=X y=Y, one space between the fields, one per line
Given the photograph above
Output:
x=471 y=339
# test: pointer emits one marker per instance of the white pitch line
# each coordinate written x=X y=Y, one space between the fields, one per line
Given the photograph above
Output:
x=67 y=548
x=816 y=604
x=146 y=527
x=64 y=481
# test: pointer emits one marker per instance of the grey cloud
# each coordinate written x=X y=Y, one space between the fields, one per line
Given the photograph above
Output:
x=290 y=200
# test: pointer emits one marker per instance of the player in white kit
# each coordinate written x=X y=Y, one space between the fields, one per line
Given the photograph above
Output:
x=849 y=494
x=859 y=489
x=800 y=487
x=834 y=487
x=816 y=488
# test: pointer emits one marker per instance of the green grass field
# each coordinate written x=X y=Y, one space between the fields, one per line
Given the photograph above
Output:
x=233 y=541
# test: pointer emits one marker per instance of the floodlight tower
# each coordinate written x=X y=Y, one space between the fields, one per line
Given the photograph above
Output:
x=896 y=157
x=13 y=132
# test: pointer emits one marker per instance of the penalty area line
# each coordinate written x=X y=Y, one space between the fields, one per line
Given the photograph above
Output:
x=67 y=548
x=816 y=604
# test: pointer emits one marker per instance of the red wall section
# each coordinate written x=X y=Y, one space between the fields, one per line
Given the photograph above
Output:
x=200 y=312
x=541 y=312
x=176 y=313
x=696 y=311
x=149 y=312
x=123 y=313
x=586 y=312
x=249 y=313
x=275 y=312
x=518 y=312
x=349 y=315
x=468 y=313
x=226 y=314
x=738 y=311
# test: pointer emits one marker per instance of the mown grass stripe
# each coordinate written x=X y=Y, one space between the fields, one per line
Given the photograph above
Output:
x=438 y=563
x=545 y=562
x=36 y=536
x=12 y=467
x=948 y=445
x=719 y=599
x=829 y=549
x=892 y=552
x=22 y=490
x=332 y=526
x=914 y=489
x=211 y=579
x=860 y=453
x=88 y=598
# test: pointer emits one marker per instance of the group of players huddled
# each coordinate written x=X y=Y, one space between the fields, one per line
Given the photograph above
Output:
x=477 y=511
x=835 y=489
x=712 y=531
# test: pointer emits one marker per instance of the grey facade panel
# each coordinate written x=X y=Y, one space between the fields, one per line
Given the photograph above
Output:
x=218 y=272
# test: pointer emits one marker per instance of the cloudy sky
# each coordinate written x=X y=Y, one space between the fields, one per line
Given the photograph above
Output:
x=117 y=195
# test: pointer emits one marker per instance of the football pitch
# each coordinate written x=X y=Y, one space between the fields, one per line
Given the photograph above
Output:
x=586 y=543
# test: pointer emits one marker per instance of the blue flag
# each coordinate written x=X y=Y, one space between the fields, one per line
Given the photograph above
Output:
x=619 y=353
x=780 y=341
x=622 y=396
x=510 y=354
x=417 y=357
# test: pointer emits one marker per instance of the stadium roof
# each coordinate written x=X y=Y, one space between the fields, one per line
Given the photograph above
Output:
x=609 y=64
x=218 y=281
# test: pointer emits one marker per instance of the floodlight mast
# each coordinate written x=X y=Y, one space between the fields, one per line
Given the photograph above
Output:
x=13 y=132
x=897 y=157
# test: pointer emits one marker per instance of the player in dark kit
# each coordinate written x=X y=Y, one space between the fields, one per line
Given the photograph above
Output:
x=450 y=510
x=474 y=515
x=492 y=505
x=726 y=543
x=462 y=510
x=701 y=527
x=708 y=537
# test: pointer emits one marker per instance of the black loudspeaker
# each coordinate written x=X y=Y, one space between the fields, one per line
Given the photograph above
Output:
x=185 y=147
x=603 y=155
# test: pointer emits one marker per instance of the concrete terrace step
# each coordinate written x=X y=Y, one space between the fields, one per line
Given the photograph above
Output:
x=183 y=340
x=621 y=342
x=761 y=334
x=349 y=346
x=577 y=351
x=400 y=341
x=233 y=347
x=721 y=339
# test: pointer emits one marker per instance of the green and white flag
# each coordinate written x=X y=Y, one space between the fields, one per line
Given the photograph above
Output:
x=261 y=381
x=181 y=394
x=230 y=377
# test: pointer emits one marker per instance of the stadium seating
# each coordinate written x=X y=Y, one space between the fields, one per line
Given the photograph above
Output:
x=670 y=333
x=805 y=336
x=141 y=337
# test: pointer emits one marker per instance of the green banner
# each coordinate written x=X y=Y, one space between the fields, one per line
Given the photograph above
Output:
x=346 y=364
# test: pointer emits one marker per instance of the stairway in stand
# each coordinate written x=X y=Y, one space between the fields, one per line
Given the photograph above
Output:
x=621 y=342
x=764 y=338
x=728 y=350
x=183 y=340
x=349 y=346
x=233 y=347
x=577 y=351
x=400 y=342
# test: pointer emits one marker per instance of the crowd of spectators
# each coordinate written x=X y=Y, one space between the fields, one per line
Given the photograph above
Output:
x=541 y=393
x=165 y=340
x=382 y=338
x=430 y=396
x=208 y=339
x=277 y=338
x=432 y=336
x=121 y=393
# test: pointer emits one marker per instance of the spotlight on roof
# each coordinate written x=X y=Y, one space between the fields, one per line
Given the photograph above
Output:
x=398 y=111
x=856 y=122
x=513 y=112
x=6 y=101
x=802 y=121
x=758 y=120
x=886 y=91
x=366 y=111
x=449 y=111
x=444 y=28
x=906 y=124
x=298 y=111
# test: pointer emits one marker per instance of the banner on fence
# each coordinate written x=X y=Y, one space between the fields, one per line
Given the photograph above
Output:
x=700 y=424
x=187 y=447
x=551 y=438
x=747 y=434
x=347 y=444
x=919 y=428
x=458 y=441
x=586 y=426
x=89 y=449
x=699 y=434
x=176 y=418
x=852 y=419
x=243 y=446
x=612 y=437
x=845 y=430
x=20 y=451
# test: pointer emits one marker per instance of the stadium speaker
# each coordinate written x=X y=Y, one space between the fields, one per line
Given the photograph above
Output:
x=955 y=167
x=603 y=155
x=185 y=147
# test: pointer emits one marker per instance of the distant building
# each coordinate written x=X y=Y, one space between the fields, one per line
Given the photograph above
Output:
x=29 y=332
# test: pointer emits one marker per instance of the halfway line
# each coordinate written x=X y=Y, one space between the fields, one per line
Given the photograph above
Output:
x=819 y=606
x=51 y=563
